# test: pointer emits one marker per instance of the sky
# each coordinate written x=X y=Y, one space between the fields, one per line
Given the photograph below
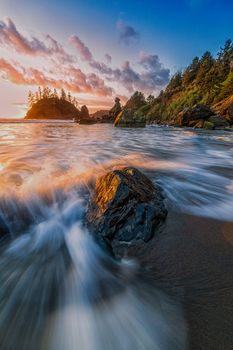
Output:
x=101 y=49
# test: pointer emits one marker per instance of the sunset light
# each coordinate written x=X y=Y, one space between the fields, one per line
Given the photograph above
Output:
x=116 y=175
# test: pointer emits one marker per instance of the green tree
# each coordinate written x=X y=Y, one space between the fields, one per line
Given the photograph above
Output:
x=175 y=83
x=137 y=100
x=203 y=78
x=224 y=60
x=190 y=72
x=150 y=99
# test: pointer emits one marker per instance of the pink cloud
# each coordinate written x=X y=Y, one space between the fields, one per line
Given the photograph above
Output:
x=82 y=49
x=78 y=81
x=11 y=37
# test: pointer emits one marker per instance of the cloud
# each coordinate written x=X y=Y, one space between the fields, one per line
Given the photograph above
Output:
x=148 y=74
x=86 y=55
x=156 y=75
x=153 y=77
x=82 y=49
x=108 y=58
x=150 y=79
x=11 y=37
x=127 y=34
x=78 y=81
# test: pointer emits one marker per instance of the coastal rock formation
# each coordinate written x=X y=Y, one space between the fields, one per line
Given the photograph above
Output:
x=218 y=121
x=101 y=116
x=128 y=118
x=84 y=116
x=225 y=109
x=190 y=116
x=115 y=110
x=125 y=209
x=132 y=115
x=52 y=108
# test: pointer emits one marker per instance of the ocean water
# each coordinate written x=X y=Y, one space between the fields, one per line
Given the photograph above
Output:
x=58 y=288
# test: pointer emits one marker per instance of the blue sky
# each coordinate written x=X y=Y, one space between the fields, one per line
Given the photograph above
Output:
x=159 y=35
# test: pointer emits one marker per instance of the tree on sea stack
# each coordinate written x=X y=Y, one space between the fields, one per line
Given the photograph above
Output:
x=46 y=104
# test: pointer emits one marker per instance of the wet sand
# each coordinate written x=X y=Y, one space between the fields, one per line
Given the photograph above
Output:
x=192 y=260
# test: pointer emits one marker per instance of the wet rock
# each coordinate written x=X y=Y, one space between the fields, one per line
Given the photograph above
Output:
x=125 y=209
x=128 y=118
x=189 y=115
x=84 y=117
x=225 y=109
x=197 y=124
x=218 y=121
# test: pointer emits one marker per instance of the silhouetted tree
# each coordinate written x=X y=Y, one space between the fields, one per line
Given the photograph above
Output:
x=63 y=94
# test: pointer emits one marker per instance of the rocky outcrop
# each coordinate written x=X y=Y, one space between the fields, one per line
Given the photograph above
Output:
x=225 y=109
x=128 y=118
x=132 y=115
x=101 y=116
x=115 y=110
x=218 y=122
x=125 y=209
x=52 y=108
x=190 y=116
x=84 y=116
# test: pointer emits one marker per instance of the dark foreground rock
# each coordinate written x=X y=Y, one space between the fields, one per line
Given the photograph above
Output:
x=218 y=122
x=194 y=116
x=125 y=209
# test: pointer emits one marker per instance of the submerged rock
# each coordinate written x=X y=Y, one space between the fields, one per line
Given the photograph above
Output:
x=125 y=209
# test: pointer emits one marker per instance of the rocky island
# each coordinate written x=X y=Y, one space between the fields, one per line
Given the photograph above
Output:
x=48 y=104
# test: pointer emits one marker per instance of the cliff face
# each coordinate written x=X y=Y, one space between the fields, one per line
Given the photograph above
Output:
x=52 y=108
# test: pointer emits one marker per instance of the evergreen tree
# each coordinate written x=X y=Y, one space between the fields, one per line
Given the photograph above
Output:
x=40 y=93
x=55 y=95
x=190 y=72
x=63 y=94
x=150 y=99
x=137 y=100
x=69 y=97
x=175 y=83
x=203 y=79
x=36 y=96
x=224 y=60
x=31 y=99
